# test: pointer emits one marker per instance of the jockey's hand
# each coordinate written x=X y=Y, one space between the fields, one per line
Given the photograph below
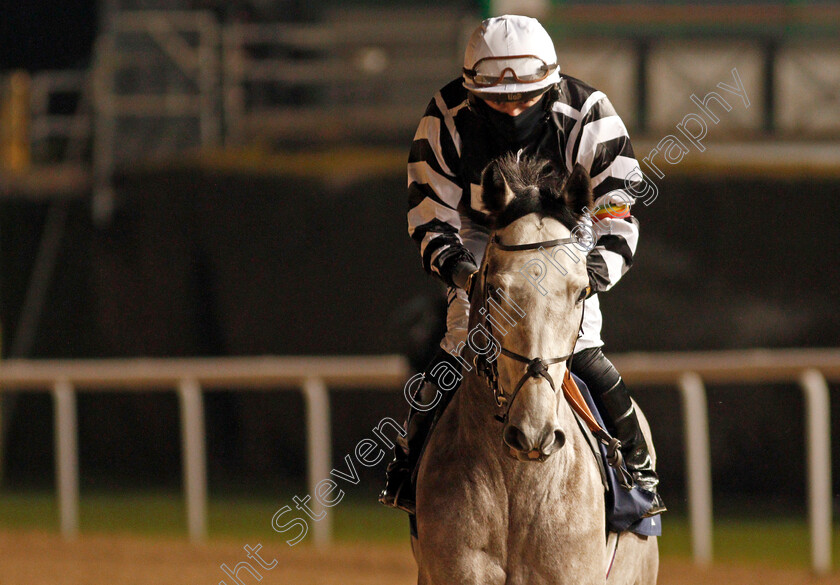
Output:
x=464 y=276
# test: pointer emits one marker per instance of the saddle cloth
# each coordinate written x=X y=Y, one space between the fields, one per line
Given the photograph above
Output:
x=624 y=509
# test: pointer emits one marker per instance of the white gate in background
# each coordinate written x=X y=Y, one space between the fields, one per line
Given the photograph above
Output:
x=314 y=375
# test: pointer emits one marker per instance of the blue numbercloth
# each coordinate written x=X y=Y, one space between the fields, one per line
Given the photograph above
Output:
x=624 y=509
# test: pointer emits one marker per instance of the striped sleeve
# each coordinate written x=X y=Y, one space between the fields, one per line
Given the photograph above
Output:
x=602 y=145
x=434 y=191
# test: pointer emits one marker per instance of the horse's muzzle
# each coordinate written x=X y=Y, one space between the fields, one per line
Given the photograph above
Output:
x=522 y=448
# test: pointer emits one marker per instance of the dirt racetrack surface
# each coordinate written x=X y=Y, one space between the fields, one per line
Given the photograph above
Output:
x=35 y=558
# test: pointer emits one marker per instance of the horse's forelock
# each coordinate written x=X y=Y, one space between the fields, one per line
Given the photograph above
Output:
x=537 y=187
x=525 y=172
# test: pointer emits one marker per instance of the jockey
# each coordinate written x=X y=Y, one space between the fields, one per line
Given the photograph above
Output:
x=512 y=98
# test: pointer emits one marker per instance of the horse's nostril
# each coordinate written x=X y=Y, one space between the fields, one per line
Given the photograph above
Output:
x=552 y=441
x=515 y=438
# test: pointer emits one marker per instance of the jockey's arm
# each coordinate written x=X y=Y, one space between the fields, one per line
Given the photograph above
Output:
x=604 y=148
x=434 y=193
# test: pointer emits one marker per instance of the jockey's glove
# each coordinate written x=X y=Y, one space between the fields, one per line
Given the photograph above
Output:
x=463 y=275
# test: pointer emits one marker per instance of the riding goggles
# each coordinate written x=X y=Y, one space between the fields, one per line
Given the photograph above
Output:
x=493 y=71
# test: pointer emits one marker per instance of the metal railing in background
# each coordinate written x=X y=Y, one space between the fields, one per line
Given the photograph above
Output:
x=314 y=375
x=69 y=126
x=168 y=81
x=156 y=76
x=357 y=75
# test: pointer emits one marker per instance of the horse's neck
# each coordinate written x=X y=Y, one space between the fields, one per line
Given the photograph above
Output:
x=476 y=408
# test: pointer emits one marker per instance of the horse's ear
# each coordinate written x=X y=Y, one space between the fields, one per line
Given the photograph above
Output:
x=577 y=191
x=495 y=193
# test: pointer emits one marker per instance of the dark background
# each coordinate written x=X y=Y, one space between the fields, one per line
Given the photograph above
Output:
x=199 y=263
x=210 y=263
x=46 y=34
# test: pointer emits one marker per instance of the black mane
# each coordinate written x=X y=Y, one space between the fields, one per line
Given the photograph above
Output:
x=537 y=186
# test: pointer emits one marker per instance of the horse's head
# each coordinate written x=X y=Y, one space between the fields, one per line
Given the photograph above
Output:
x=530 y=295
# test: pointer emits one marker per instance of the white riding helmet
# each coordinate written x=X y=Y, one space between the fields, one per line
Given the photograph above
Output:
x=510 y=55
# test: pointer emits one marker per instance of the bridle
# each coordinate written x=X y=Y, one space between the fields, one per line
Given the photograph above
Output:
x=534 y=367
x=538 y=367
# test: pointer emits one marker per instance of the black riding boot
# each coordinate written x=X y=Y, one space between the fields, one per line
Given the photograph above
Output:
x=623 y=423
x=613 y=399
x=399 y=491
x=437 y=390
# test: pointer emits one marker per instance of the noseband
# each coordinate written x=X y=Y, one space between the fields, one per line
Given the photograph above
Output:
x=535 y=367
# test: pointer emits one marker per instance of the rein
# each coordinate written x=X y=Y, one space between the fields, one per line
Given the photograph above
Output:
x=538 y=367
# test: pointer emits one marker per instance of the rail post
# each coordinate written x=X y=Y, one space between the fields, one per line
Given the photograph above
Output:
x=66 y=457
x=818 y=425
x=194 y=458
x=698 y=466
x=319 y=449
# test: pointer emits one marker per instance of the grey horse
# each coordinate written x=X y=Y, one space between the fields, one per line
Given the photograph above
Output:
x=521 y=501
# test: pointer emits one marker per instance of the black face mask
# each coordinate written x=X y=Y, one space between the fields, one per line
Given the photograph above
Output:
x=516 y=130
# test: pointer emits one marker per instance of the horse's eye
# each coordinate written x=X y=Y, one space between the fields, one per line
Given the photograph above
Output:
x=583 y=294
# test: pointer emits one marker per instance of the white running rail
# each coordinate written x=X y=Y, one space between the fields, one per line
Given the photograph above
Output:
x=313 y=376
